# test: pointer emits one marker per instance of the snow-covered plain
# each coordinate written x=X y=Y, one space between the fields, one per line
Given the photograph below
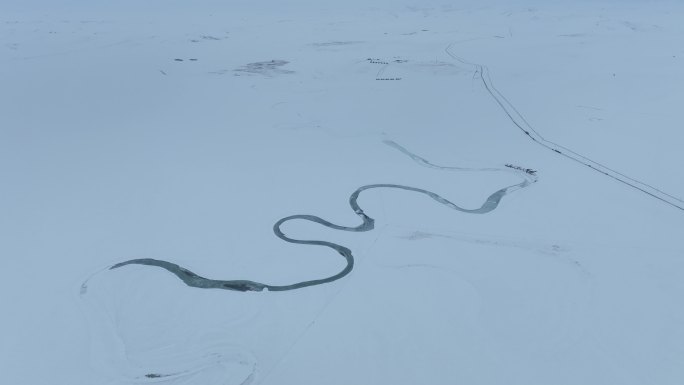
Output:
x=183 y=131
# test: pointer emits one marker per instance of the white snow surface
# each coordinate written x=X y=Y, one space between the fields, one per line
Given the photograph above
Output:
x=183 y=130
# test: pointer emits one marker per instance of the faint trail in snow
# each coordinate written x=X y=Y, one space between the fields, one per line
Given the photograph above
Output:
x=337 y=43
x=482 y=72
x=425 y=163
x=418 y=235
x=192 y=279
x=548 y=249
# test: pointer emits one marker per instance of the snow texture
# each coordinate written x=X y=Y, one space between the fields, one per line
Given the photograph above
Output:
x=176 y=134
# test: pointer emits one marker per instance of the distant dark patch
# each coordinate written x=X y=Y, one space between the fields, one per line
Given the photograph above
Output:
x=266 y=68
x=207 y=38
x=376 y=61
x=527 y=170
x=335 y=43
